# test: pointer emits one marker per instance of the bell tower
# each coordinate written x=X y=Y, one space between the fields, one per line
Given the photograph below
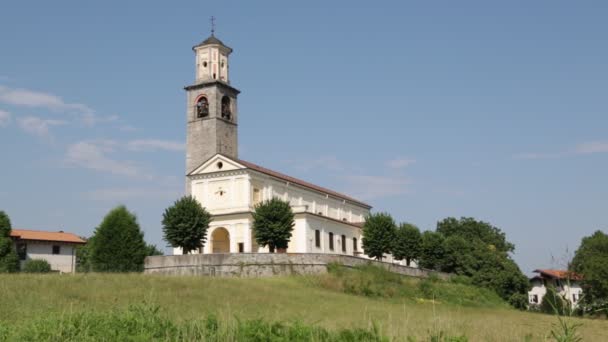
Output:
x=211 y=113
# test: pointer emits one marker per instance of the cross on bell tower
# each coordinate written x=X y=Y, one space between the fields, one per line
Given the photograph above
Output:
x=212 y=114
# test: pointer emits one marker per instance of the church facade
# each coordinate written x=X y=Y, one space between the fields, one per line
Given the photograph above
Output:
x=229 y=188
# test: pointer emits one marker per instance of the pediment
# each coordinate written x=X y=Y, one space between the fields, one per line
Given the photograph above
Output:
x=217 y=163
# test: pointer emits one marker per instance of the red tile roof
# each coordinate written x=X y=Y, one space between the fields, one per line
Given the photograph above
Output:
x=299 y=182
x=25 y=234
x=559 y=274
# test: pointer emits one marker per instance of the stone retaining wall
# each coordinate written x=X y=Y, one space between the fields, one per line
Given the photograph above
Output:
x=265 y=264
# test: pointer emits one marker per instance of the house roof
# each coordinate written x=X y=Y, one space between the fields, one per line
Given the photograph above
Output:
x=38 y=235
x=558 y=274
x=299 y=182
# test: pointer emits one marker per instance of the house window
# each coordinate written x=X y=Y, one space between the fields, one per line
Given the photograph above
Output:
x=344 y=243
x=534 y=299
x=22 y=251
x=574 y=298
x=331 y=241
x=56 y=249
x=318 y=238
x=354 y=245
x=241 y=247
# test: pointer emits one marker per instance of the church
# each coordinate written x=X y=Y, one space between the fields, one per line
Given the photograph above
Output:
x=326 y=221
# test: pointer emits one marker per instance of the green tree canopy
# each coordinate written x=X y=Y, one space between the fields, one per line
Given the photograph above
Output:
x=185 y=224
x=477 y=250
x=378 y=235
x=9 y=261
x=118 y=243
x=273 y=223
x=591 y=261
x=5 y=225
x=432 y=253
x=470 y=229
x=407 y=243
x=151 y=250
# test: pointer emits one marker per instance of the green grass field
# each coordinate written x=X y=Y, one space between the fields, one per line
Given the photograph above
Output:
x=327 y=301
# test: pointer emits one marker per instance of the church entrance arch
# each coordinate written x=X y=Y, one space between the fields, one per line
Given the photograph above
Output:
x=220 y=241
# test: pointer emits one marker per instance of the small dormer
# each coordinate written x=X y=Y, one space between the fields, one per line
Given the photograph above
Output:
x=212 y=60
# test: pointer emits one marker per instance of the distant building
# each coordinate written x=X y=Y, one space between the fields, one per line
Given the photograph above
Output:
x=566 y=283
x=57 y=248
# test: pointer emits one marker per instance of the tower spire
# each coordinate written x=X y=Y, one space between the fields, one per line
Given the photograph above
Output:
x=212 y=26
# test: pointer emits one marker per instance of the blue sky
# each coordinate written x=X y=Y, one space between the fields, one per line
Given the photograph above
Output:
x=424 y=109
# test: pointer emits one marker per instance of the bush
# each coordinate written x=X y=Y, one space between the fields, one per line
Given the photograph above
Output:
x=9 y=261
x=519 y=301
x=553 y=303
x=37 y=266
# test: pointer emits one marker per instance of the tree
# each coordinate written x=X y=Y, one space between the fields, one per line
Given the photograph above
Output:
x=432 y=253
x=151 y=250
x=83 y=256
x=407 y=243
x=471 y=229
x=591 y=261
x=185 y=224
x=378 y=235
x=5 y=225
x=9 y=261
x=118 y=243
x=37 y=266
x=273 y=222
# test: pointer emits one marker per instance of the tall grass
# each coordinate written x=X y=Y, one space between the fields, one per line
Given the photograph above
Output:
x=27 y=300
x=147 y=323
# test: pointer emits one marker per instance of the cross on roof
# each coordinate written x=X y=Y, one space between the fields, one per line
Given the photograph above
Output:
x=212 y=25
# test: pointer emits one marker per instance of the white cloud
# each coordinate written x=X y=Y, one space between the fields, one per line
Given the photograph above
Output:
x=592 y=147
x=123 y=194
x=400 y=163
x=37 y=99
x=5 y=118
x=94 y=155
x=154 y=144
x=37 y=126
x=372 y=187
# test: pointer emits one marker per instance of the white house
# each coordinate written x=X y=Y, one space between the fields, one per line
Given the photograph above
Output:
x=57 y=248
x=567 y=285
x=326 y=221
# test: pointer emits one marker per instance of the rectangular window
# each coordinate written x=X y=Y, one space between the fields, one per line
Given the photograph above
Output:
x=331 y=241
x=22 y=251
x=318 y=238
x=535 y=299
x=354 y=245
x=56 y=249
x=257 y=196
x=574 y=298
x=241 y=247
x=344 y=243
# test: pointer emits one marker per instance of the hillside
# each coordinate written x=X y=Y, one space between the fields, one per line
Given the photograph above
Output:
x=329 y=301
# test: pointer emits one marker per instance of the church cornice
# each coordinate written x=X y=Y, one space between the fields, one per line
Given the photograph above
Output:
x=218 y=174
x=211 y=83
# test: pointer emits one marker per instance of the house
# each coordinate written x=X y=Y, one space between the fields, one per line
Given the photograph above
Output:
x=566 y=283
x=326 y=221
x=57 y=248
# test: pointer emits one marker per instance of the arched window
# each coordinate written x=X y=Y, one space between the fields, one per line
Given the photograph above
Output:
x=226 y=112
x=202 y=107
